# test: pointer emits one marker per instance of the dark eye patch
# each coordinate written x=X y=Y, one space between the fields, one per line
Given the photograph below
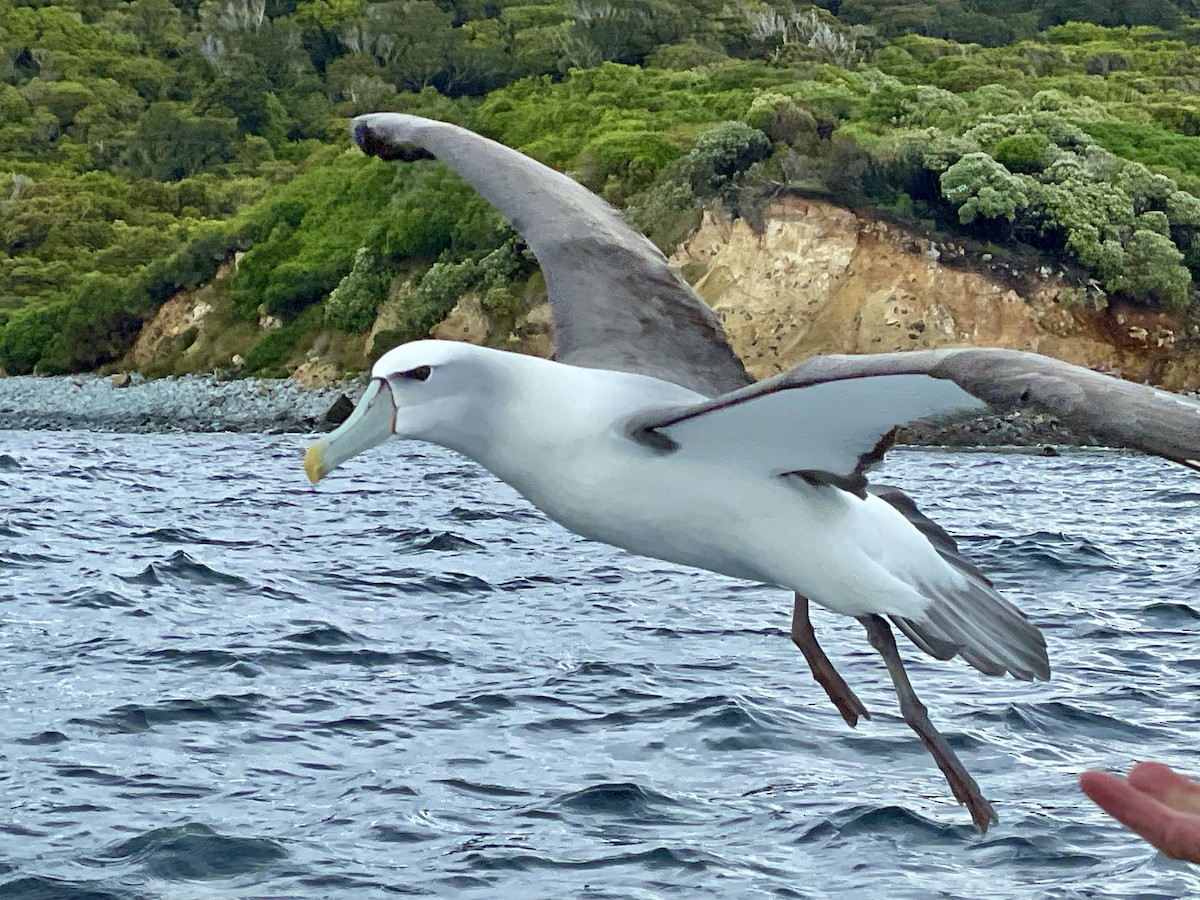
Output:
x=420 y=373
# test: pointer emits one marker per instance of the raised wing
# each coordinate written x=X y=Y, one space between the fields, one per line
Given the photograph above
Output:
x=830 y=418
x=617 y=304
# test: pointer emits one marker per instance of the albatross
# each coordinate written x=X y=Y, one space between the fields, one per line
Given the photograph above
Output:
x=647 y=433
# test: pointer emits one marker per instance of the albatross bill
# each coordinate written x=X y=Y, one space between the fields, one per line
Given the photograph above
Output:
x=372 y=422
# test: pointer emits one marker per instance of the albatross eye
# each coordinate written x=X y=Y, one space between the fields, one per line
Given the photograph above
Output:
x=420 y=373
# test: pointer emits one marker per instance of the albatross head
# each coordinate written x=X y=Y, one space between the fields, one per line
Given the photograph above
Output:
x=438 y=391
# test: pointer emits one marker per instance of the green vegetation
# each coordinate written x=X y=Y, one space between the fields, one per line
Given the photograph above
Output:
x=145 y=142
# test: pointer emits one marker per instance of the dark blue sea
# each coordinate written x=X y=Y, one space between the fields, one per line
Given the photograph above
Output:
x=218 y=681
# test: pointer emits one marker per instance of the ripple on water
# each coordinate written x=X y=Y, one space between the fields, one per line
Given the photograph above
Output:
x=86 y=597
x=562 y=721
x=1176 y=497
x=11 y=559
x=1056 y=717
x=395 y=834
x=482 y=790
x=44 y=738
x=179 y=568
x=178 y=535
x=193 y=852
x=404 y=581
x=36 y=887
x=1047 y=550
x=201 y=657
x=897 y=820
x=319 y=656
x=322 y=634
x=1167 y=613
x=416 y=540
x=136 y=717
x=465 y=514
x=1017 y=849
x=658 y=858
x=622 y=800
x=474 y=706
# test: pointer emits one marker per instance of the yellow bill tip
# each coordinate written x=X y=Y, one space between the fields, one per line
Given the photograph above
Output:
x=314 y=463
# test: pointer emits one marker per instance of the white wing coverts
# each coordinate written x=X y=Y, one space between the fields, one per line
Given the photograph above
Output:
x=830 y=417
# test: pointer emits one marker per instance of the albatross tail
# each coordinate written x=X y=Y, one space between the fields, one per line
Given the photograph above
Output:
x=968 y=617
x=973 y=621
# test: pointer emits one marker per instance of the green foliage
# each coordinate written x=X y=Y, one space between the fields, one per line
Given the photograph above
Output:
x=1024 y=154
x=1151 y=145
x=305 y=237
x=170 y=144
x=192 y=264
x=495 y=276
x=269 y=355
x=622 y=162
x=385 y=340
x=439 y=289
x=721 y=154
x=143 y=142
x=102 y=319
x=1152 y=270
x=354 y=302
x=26 y=338
x=980 y=186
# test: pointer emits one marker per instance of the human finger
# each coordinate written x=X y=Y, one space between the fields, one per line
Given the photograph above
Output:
x=1166 y=786
x=1174 y=833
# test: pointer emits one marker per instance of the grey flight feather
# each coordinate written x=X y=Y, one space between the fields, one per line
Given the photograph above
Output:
x=974 y=622
x=616 y=302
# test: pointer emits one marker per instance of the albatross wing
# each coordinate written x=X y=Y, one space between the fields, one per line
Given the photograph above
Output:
x=829 y=418
x=617 y=304
x=825 y=431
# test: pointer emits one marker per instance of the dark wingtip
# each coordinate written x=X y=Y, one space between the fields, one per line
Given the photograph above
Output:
x=374 y=145
x=360 y=133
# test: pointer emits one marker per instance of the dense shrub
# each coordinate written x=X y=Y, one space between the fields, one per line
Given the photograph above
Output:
x=1024 y=154
x=720 y=155
x=270 y=355
x=26 y=338
x=496 y=277
x=980 y=186
x=354 y=302
x=619 y=163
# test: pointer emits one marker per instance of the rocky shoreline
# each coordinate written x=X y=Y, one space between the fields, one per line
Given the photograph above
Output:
x=195 y=403
x=199 y=403
x=1016 y=429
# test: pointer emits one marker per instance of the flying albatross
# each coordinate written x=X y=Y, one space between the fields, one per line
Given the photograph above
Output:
x=648 y=434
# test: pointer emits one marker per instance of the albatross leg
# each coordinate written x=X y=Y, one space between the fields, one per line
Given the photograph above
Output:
x=879 y=633
x=823 y=671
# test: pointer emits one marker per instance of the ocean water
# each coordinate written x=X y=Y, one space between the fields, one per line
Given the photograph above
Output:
x=218 y=681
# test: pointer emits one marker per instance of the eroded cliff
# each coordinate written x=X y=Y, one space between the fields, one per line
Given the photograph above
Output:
x=823 y=279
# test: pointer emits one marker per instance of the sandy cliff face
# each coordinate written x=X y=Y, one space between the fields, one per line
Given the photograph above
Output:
x=821 y=279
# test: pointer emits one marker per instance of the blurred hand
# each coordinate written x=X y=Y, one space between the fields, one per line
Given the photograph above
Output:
x=1156 y=802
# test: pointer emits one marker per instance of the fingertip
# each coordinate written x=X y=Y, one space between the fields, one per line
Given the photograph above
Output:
x=1096 y=780
x=1147 y=772
x=1164 y=784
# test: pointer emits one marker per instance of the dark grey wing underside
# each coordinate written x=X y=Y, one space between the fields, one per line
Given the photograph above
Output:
x=617 y=304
